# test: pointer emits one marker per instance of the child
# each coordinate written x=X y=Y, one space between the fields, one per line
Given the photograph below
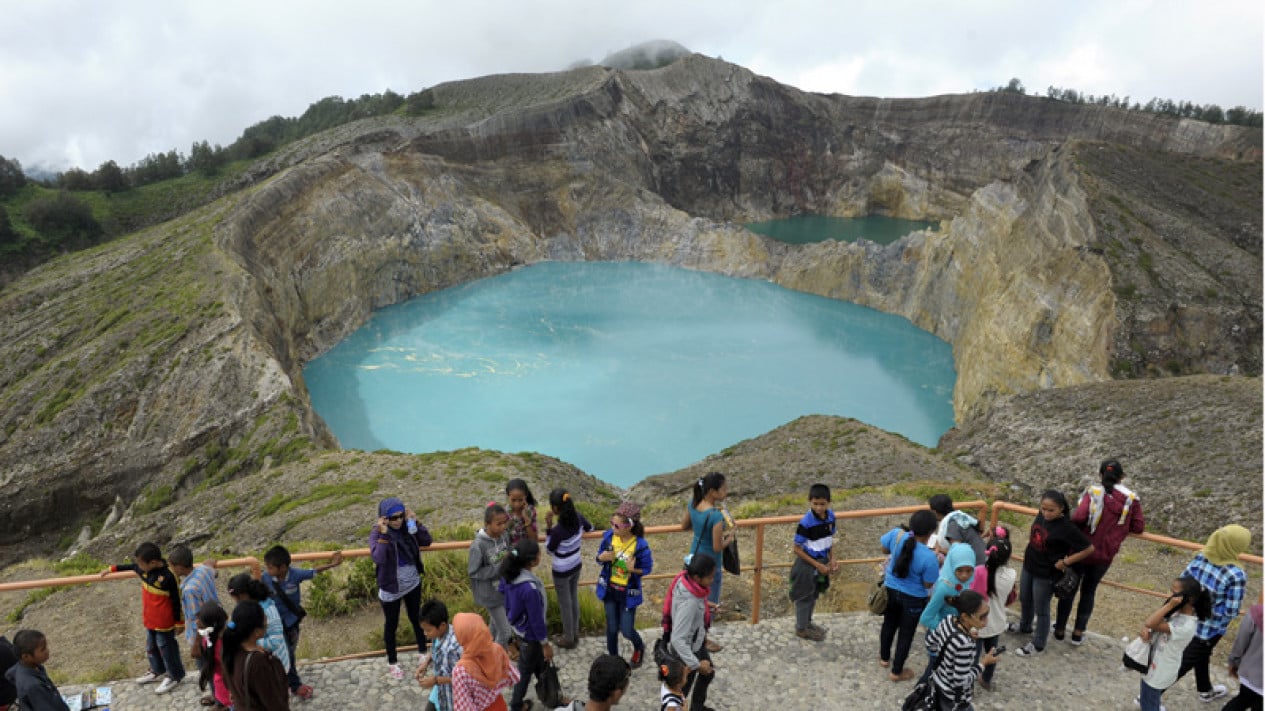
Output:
x=395 y=545
x=522 y=511
x=563 y=544
x=197 y=587
x=525 y=605
x=484 y=567
x=955 y=576
x=161 y=613
x=283 y=581
x=996 y=582
x=256 y=679
x=1175 y=621
x=672 y=678
x=608 y=682
x=445 y=653
x=35 y=691
x=814 y=561
x=209 y=625
x=243 y=587
x=625 y=558
x=955 y=527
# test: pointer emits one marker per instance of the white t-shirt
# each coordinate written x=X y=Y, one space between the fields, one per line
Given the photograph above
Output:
x=1168 y=651
x=669 y=699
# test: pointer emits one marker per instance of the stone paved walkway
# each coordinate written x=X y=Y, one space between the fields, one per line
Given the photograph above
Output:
x=766 y=667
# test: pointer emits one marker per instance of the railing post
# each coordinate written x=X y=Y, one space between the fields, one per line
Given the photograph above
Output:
x=759 y=574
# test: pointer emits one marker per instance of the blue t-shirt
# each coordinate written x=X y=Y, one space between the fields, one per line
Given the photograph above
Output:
x=924 y=568
x=703 y=522
x=290 y=586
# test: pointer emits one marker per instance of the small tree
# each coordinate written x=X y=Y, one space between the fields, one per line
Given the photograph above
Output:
x=11 y=176
x=63 y=216
x=109 y=177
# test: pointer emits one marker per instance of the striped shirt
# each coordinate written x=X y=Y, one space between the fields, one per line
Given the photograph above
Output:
x=815 y=535
x=957 y=667
x=1226 y=584
x=445 y=653
x=195 y=590
x=564 y=545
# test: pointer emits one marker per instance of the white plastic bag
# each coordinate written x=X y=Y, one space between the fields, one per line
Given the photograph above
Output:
x=1137 y=655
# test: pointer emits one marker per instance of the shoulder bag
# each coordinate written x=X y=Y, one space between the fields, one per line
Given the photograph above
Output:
x=1067 y=585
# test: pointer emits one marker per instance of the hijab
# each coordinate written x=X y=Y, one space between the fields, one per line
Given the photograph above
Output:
x=484 y=659
x=960 y=555
x=405 y=544
x=1226 y=543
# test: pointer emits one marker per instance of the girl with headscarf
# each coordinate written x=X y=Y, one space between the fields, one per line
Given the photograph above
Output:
x=1108 y=513
x=395 y=545
x=1216 y=570
x=956 y=574
x=484 y=669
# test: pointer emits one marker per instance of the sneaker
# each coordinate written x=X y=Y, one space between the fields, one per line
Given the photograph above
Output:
x=1059 y=634
x=1218 y=690
x=1028 y=650
x=817 y=627
x=167 y=685
x=810 y=634
x=149 y=678
x=1015 y=628
x=636 y=658
x=1077 y=639
x=303 y=692
x=396 y=672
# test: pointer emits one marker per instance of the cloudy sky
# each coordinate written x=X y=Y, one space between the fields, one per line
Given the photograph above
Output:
x=82 y=82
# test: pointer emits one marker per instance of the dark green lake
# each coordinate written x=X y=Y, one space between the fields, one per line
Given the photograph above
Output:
x=803 y=229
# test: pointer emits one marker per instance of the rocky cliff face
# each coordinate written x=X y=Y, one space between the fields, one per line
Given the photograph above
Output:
x=227 y=304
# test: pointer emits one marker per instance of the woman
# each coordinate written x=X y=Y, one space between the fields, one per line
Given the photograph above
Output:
x=394 y=545
x=1107 y=513
x=910 y=573
x=1054 y=545
x=625 y=557
x=712 y=526
x=1217 y=571
x=484 y=669
x=955 y=648
x=691 y=616
x=256 y=680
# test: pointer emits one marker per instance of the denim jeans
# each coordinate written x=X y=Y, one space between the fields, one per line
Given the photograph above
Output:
x=1148 y=698
x=164 y=654
x=1091 y=575
x=900 y=622
x=620 y=619
x=531 y=661
x=713 y=595
x=1035 y=593
x=566 y=587
x=292 y=644
x=984 y=646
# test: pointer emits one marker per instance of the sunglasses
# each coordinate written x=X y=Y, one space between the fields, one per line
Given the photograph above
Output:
x=396 y=517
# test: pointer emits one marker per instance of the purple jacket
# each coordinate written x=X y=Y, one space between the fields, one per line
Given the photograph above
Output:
x=525 y=606
x=394 y=547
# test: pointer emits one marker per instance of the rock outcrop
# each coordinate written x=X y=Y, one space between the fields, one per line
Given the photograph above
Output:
x=148 y=365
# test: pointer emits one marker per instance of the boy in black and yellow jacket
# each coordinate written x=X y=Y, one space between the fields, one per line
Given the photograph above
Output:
x=161 y=613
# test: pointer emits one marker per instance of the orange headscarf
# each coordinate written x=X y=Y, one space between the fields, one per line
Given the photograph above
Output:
x=483 y=659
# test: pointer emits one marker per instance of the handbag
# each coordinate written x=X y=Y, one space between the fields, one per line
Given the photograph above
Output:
x=548 y=688
x=1067 y=585
x=662 y=652
x=1137 y=655
x=877 y=601
x=729 y=558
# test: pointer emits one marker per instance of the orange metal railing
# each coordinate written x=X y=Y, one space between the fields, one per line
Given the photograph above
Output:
x=757 y=567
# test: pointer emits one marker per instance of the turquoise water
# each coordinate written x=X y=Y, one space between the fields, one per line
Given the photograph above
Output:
x=803 y=229
x=623 y=369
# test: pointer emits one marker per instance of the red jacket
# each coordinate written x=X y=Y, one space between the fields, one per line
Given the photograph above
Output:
x=1111 y=531
x=160 y=598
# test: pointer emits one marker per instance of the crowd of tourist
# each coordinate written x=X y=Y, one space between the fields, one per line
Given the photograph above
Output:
x=946 y=572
